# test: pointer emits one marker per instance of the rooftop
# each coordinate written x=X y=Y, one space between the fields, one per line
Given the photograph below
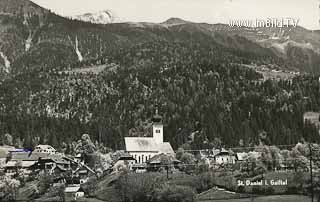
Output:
x=147 y=144
x=44 y=147
x=163 y=158
x=73 y=189
x=35 y=156
x=23 y=164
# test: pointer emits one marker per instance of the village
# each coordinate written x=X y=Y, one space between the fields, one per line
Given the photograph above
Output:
x=154 y=155
x=150 y=155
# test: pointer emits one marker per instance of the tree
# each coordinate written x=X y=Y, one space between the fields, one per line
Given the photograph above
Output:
x=18 y=142
x=179 y=153
x=88 y=150
x=188 y=162
x=53 y=140
x=85 y=145
x=8 y=140
x=9 y=188
x=28 y=143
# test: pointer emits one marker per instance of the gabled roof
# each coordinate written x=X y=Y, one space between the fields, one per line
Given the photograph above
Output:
x=165 y=148
x=54 y=158
x=23 y=164
x=61 y=168
x=27 y=156
x=157 y=159
x=36 y=156
x=140 y=144
x=45 y=147
x=224 y=152
x=147 y=144
x=241 y=156
x=73 y=189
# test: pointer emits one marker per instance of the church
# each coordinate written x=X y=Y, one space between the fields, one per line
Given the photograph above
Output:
x=144 y=148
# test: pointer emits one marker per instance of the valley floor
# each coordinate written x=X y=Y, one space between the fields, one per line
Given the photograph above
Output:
x=275 y=198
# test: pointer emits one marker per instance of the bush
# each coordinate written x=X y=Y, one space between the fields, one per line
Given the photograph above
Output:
x=292 y=190
x=174 y=193
x=45 y=182
x=138 y=187
x=257 y=190
x=270 y=191
x=263 y=190
x=241 y=189
x=204 y=182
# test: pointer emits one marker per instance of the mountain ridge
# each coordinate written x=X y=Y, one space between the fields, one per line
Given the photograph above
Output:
x=34 y=29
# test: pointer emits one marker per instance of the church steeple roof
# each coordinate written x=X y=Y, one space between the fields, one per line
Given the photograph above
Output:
x=157 y=118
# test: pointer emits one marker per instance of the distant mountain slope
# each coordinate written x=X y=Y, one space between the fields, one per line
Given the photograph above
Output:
x=31 y=34
x=174 y=22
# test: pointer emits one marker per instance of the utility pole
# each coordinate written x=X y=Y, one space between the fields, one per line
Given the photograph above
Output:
x=311 y=174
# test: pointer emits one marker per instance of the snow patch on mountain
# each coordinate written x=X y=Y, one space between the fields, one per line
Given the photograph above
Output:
x=282 y=47
x=7 y=63
x=101 y=17
x=28 y=42
x=80 y=58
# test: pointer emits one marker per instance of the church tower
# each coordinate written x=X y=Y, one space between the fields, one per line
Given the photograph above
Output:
x=157 y=128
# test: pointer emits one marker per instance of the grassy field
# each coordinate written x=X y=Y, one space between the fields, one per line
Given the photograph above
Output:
x=276 y=198
x=106 y=191
x=89 y=200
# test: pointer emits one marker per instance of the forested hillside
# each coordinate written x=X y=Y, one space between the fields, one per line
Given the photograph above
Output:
x=195 y=75
x=190 y=82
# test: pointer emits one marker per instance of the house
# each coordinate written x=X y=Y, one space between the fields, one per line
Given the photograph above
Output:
x=72 y=181
x=22 y=161
x=241 y=156
x=125 y=161
x=224 y=157
x=12 y=167
x=162 y=161
x=202 y=154
x=254 y=154
x=79 y=158
x=143 y=149
x=35 y=161
x=53 y=164
x=83 y=172
x=45 y=149
x=72 y=193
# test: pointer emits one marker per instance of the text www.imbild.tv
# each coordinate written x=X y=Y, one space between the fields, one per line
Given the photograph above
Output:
x=269 y=22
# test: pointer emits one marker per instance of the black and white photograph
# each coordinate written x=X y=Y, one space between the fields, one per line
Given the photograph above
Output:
x=159 y=101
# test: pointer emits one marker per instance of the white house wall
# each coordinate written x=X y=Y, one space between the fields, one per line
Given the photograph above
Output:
x=142 y=157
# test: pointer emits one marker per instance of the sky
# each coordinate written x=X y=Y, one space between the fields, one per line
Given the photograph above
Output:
x=209 y=11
